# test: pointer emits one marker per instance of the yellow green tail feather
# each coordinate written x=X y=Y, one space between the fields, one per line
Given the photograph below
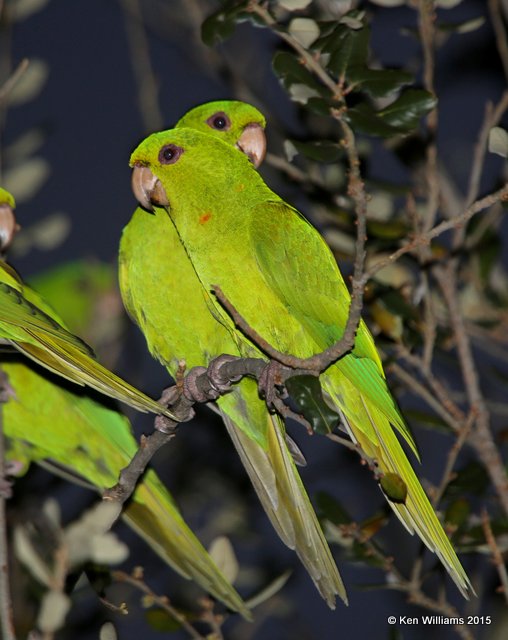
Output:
x=416 y=514
x=280 y=489
x=153 y=515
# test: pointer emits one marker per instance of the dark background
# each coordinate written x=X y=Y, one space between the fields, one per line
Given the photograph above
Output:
x=88 y=110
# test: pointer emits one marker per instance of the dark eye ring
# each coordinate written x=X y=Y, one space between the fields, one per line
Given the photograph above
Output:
x=219 y=121
x=169 y=154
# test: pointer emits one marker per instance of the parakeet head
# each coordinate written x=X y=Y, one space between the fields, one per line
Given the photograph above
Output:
x=236 y=123
x=8 y=224
x=170 y=164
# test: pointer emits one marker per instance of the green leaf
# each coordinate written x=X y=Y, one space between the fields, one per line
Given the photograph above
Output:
x=161 y=621
x=472 y=478
x=331 y=509
x=269 y=591
x=222 y=553
x=348 y=48
x=108 y=632
x=457 y=512
x=389 y=230
x=221 y=24
x=463 y=27
x=364 y=119
x=379 y=83
x=389 y=3
x=291 y=71
x=307 y=394
x=399 y=117
x=428 y=420
x=54 y=608
x=405 y=112
x=304 y=30
x=30 y=83
x=322 y=151
x=294 y=5
x=498 y=141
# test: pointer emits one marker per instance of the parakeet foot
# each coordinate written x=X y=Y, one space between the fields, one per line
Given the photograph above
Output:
x=169 y=398
x=269 y=380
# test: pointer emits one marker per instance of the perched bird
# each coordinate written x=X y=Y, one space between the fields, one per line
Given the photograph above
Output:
x=280 y=275
x=75 y=435
x=33 y=328
x=176 y=314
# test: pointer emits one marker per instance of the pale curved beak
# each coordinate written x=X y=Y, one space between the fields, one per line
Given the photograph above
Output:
x=252 y=142
x=148 y=188
x=8 y=226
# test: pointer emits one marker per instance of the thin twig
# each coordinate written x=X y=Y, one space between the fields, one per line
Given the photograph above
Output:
x=481 y=437
x=437 y=387
x=422 y=391
x=492 y=116
x=163 y=602
x=321 y=361
x=446 y=609
x=148 y=87
x=496 y=20
x=9 y=84
x=311 y=62
x=452 y=459
x=426 y=29
x=501 y=195
x=496 y=554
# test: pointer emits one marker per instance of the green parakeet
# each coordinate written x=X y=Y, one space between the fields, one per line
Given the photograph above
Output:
x=32 y=327
x=163 y=295
x=278 y=272
x=70 y=432
x=46 y=423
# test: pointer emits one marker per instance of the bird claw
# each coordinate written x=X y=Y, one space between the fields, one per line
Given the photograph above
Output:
x=218 y=381
x=191 y=389
x=269 y=380
x=169 y=397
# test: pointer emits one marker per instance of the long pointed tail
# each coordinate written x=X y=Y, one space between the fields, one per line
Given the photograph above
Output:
x=280 y=489
x=155 y=517
x=75 y=365
x=416 y=513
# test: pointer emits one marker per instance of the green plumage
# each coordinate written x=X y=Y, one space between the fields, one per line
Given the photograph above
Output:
x=71 y=432
x=45 y=422
x=279 y=274
x=179 y=319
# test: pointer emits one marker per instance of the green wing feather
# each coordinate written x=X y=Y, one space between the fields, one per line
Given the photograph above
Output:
x=35 y=330
x=177 y=316
x=278 y=273
x=279 y=487
x=45 y=422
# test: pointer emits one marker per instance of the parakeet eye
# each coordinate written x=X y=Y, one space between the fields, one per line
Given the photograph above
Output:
x=169 y=154
x=219 y=121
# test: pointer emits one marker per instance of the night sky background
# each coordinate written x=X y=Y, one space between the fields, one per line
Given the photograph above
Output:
x=88 y=110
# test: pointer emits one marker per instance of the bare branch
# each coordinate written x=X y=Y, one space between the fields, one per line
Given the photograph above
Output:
x=501 y=195
x=148 y=88
x=496 y=20
x=136 y=580
x=496 y=554
x=481 y=438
